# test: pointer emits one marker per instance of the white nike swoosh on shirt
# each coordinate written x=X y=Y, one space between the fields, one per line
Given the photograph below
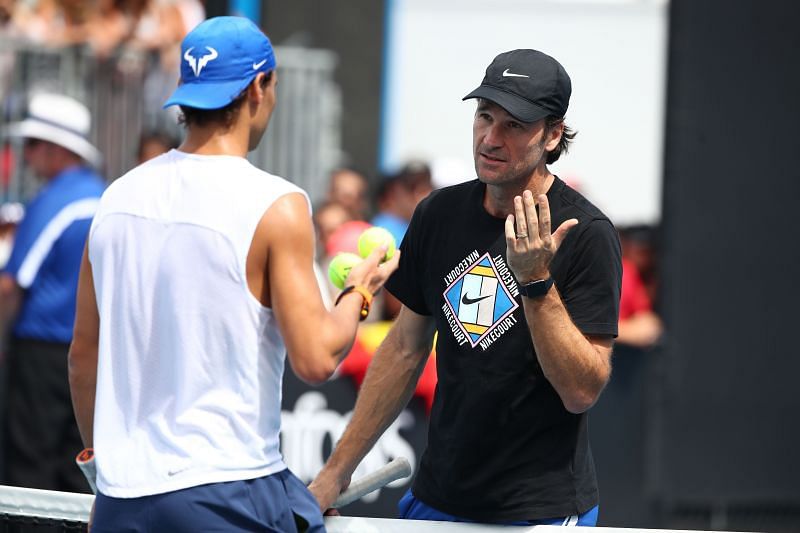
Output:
x=258 y=65
x=507 y=74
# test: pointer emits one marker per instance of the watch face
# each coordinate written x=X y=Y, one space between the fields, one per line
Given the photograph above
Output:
x=537 y=288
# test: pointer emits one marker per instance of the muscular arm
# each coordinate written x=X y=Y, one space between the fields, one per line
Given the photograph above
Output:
x=316 y=339
x=577 y=365
x=387 y=388
x=83 y=354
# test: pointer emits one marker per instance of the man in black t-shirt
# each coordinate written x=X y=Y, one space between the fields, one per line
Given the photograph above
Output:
x=526 y=319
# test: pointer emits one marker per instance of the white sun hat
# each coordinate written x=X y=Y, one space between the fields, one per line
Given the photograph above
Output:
x=60 y=120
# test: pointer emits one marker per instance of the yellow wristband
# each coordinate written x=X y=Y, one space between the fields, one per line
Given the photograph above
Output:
x=365 y=294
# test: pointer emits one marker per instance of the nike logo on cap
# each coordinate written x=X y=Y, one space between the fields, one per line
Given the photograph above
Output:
x=466 y=300
x=258 y=65
x=507 y=74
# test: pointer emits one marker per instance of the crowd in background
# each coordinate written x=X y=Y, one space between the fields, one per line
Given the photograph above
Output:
x=103 y=25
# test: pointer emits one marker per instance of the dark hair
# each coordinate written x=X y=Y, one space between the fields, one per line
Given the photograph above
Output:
x=567 y=136
x=224 y=116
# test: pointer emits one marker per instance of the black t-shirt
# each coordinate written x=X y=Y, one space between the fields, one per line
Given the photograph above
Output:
x=501 y=445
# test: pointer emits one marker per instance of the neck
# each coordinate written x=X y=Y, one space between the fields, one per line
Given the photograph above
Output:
x=211 y=139
x=499 y=198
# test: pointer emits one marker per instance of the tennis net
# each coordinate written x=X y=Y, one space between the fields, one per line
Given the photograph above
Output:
x=25 y=510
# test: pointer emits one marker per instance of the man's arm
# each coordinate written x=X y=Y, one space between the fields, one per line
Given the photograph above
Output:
x=577 y=365
x=388 y=385
x=83 y=353
x=316 y=339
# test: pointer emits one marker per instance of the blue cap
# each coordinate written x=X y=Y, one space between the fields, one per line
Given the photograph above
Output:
x=219 y=58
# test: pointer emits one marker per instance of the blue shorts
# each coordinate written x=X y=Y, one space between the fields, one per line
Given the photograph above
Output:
x=279 y=503
x=413 y=509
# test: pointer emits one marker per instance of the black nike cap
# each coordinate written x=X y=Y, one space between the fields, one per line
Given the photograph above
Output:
x=528 y=84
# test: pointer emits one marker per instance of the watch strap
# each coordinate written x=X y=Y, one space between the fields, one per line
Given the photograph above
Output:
x=536 y=289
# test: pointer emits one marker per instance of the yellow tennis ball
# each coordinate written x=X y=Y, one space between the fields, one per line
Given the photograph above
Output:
x=374 y=237
x=340 y=266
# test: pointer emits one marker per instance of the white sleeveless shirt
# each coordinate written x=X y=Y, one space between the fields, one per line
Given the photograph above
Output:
x=190 y=363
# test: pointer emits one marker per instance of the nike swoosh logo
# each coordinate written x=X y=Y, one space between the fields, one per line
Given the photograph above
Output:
x=508 y=74
x=258 y=65
x=466 y=300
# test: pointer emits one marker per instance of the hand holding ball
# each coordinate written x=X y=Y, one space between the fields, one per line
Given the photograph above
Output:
x=340 y=266
x=374 y=237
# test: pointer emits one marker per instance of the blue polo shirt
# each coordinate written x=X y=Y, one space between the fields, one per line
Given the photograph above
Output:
x=46 y=257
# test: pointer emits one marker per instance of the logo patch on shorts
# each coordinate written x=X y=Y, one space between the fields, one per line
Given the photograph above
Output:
x=479 y=301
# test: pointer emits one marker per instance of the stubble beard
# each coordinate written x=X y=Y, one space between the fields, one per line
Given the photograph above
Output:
x=515 y=175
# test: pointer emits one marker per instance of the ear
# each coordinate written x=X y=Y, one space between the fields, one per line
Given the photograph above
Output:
x=554 y=136
x=255 y=92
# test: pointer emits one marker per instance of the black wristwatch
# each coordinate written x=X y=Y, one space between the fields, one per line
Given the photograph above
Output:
x=537 y=288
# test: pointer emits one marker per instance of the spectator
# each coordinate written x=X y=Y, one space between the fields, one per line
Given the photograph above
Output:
x=327 y=219
x=37 y=293
x=107 y=27
x=157 y=29
x=154 y=143
x=398 y=196
x=55 y=22
x=10 y=215
x=349 y=188
x=640 y=247
x=639 y=325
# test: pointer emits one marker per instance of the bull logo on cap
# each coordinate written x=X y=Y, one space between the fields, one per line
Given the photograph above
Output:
x=197 y=65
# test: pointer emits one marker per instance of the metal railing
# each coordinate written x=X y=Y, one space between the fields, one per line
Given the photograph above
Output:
x=124 y=94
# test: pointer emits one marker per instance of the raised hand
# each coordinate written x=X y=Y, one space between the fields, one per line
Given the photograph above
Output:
x=530 y=246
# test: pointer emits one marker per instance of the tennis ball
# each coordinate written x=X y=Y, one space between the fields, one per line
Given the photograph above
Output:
x=340 y=266
x=374 y=237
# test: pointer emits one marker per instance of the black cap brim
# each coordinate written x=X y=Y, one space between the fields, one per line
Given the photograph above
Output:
x=518 y=107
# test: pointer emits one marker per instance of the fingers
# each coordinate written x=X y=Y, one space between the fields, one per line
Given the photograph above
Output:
x=511 y=237
x=544 y=219
x=521 y=219
x=561 y=232
x=375 y=257
x=389 y=266
x=362 y=272
x=371 y=273
x=530 y=216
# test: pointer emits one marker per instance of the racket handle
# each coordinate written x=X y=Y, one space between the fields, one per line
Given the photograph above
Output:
x=396 y=469
x=85 y=461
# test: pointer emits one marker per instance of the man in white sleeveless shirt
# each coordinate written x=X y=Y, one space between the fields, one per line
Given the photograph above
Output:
x=197 y=279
